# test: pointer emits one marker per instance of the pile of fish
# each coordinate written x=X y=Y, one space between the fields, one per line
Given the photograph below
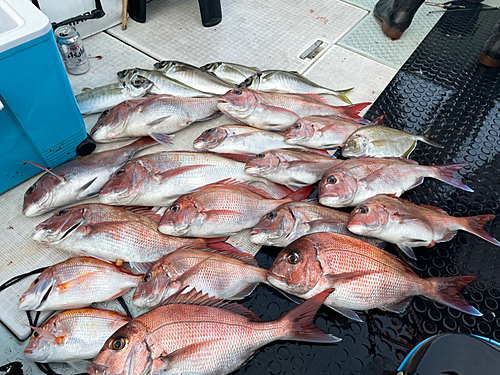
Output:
x=184 y=271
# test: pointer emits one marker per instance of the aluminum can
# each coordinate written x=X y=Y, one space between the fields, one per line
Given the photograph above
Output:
x=71 y=49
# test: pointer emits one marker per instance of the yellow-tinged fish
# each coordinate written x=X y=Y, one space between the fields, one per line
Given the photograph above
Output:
x=195 y=334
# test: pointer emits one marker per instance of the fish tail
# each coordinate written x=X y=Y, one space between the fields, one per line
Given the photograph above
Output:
x=424 y=138
x=341 y=94
x=299 y=321
x=354 y=109
x=300 y=194
x=445 y=290
x=378 y=121
x=474 y=225
x=445 y=174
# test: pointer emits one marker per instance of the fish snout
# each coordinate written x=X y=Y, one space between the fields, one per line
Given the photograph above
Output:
x=97 y=369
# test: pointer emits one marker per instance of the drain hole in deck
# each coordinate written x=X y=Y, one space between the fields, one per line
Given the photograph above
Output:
x=313 y=50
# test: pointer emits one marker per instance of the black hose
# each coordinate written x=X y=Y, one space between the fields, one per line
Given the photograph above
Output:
x=18 y=278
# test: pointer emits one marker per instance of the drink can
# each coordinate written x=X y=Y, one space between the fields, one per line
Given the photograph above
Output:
x=71 y=49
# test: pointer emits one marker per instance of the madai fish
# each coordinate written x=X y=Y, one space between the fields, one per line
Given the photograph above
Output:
x=408 y=225
x=195 y=334
x=226 y=274
x=73 y=335
x=358 y=179
x=77 y=282
x=363 y=276
x=78 y=179
x=112 y=233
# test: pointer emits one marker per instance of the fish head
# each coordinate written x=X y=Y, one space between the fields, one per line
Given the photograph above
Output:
x=60 y=225
x=273 y=227
x=296 y=269
x=125 y=183
x=262 y=164
x=179 y=217
x=43 y=341
x=112 y=122
x=39 y=290
x=39 y=196
x=164 y=66
x=356 y=145
x=126 y=352
x=138 y=87
x=252 y=82
x=210 y=138
x=238 y=103
x=337 y=189
x=368 y=218
x=127 y=74
x=299 y=132
x=152 y=289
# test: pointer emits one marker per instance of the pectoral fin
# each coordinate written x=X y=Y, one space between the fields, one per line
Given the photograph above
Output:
x=399 y=307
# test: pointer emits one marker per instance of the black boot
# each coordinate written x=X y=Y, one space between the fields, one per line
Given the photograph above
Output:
x=491 y=50
x=396 y=15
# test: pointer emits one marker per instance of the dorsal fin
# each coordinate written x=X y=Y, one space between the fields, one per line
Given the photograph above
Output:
x=316 y=97
x=194 y=297
x=144 y=211
x=407 y=161
x=231 y=252
x=310 y=151
x=394 y=257
x=434 y=208
x=253 y=189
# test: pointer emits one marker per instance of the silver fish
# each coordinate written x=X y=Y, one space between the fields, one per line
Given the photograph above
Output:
x=78 y=179
x=230 y=72
x=289 y=82
x=164 y=114
x=293 y=220
x=101 y=98
x=194 y=77
x=162 y=83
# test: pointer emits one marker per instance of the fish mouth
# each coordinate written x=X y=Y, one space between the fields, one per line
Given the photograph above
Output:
x=201 y=145
x=36 y=208
x=253 y=170
x=97 y=369
x=52 y=235
x=31 y=303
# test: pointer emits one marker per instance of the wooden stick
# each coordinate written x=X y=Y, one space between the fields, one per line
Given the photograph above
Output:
x=124 y=14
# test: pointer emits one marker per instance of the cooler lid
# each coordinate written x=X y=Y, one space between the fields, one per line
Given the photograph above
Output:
x=20 y=22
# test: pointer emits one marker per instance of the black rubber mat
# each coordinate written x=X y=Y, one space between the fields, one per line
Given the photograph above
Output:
x=441 y=86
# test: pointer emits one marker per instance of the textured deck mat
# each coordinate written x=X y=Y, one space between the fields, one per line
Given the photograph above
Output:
x=368 y=39
x=442 y=86
x=261 y=33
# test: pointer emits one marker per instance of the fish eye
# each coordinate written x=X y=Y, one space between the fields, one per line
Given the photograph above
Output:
x=30 y=190
x=297 y=126
x=147 y=276
x=331 y=180
x=260 y=156
x=61 y=212
x=237 y=92
x=293 y=257
x=174 y=208
x=35 y=334
x=271 y=215
x=208 y=131
x=363 y=209
x=36 y=281
x=353 y=143
x=118 y=343
x=119 y=172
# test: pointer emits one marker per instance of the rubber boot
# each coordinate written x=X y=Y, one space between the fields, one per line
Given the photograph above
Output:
x=491 y=50
x=396 y=15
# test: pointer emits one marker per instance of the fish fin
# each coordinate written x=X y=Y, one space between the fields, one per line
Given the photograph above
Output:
x=85 y=187
x=346 y=276
x=474 y=225
x=230 y=251
x=47 y=335
x=281 y=191
x=407 y=250
x=45 y=169
x=432 y=243
x=143 y=142
x=410 y=150
x=346 y=312
x=445 y=290
x=423 y=137
x=144 y=211
x=285 y=115
x=399 y=307
x=311 y=151
x=158 y=121
x=177 y=171
x=297 y=183
x=354 y=109
x=238 y=157
x=247 y=289
x=142 y=267
x=378 y=121
x=244 y=185
x=316 y=97
x=199 y=298
x=79 y=364
x=301 y=194
x=434 y=208
x=216 y=114
x=404 y=160
x=300 y=321
x=209 y=212
x=291 y=297
x=341 y=94
x=162 y=138
x=76 y=281
x=445 y=173
x=181 y=357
